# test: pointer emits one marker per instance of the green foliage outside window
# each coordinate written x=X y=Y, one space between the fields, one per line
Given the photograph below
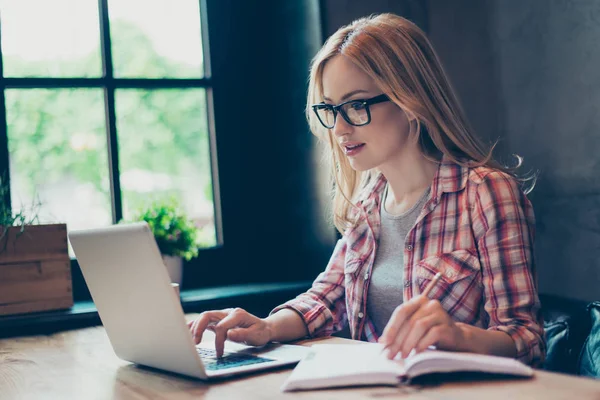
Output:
x=172 y=120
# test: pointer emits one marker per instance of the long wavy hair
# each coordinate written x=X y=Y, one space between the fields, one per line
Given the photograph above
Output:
x=397 y=55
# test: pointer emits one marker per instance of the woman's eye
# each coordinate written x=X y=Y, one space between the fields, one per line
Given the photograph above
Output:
x=358 y=105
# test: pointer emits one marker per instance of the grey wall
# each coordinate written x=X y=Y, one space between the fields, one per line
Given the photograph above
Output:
x=528 y=73
x=341 y=12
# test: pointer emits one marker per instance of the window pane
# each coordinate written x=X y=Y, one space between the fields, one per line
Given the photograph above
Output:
x=156 y=39
x=58 y=38
x=164 y=152
x=57 y=145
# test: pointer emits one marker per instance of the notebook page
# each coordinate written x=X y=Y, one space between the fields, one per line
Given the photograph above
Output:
x=446 y=361
x=334 y=365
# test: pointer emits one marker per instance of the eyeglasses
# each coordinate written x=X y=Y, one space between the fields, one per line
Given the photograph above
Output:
x=354 y=112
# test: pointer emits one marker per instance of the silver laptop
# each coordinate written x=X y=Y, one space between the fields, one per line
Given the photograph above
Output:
x=142 y=314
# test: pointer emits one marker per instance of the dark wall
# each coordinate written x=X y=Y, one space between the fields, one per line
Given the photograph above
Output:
x=460 y=32
x=530 y=73
x=527 y=73
x=337 y=13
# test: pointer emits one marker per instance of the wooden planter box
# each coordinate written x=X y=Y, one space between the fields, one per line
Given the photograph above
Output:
x=35 y=269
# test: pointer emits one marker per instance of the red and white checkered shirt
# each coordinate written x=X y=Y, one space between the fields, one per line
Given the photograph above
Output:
x=477 y=229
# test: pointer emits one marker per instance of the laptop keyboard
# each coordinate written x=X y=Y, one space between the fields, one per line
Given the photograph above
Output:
x=229 y=360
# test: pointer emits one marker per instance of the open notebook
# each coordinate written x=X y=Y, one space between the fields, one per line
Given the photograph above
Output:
x=334 y=365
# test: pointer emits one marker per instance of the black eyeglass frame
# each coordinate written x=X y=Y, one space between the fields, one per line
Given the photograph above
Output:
x=335 y=109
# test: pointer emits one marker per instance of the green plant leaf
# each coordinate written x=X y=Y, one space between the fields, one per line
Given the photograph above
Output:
x=175 y=233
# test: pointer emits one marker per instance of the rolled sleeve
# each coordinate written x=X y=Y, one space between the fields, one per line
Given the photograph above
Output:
x=528 y=341
x=323 y=306
x=503 y=225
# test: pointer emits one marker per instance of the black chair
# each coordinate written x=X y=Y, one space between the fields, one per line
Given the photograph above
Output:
x=566 y=325
x=589 y=360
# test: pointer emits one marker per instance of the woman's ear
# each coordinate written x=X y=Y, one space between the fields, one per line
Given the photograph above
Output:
x=413 y=129
x=413 y=125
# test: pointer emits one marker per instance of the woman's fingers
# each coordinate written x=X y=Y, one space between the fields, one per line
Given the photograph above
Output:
x=244 y=327
x=395 y=346
x=421 y=328
x=237 y=318
x=401 y=314
x=433 y=336
x=199 y=325
x=429 y=314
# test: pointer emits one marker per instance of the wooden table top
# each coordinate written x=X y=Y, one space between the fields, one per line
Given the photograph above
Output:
x=81 y=364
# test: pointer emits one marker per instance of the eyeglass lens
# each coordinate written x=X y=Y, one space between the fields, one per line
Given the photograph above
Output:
x=354 y=112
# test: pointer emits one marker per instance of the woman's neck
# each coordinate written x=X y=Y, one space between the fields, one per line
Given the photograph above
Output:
x=408 y=177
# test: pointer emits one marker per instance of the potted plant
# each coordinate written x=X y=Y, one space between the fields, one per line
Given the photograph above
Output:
x=35 y=269
x=176 y=234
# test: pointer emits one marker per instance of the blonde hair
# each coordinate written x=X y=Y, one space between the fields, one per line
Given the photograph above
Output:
x=397 y=55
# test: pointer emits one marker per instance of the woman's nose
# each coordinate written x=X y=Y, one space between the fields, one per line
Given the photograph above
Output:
x=341 y=127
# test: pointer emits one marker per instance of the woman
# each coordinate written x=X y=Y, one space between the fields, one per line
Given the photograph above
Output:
x=416 y=193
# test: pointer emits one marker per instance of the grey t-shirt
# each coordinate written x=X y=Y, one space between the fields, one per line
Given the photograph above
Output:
x=385 y=288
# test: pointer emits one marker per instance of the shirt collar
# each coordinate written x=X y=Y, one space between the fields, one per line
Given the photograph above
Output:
x=450 y=177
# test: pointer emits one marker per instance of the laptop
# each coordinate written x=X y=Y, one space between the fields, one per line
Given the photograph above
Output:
x=142 y=313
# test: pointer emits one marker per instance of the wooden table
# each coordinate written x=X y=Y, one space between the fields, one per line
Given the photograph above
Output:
x=81 y=365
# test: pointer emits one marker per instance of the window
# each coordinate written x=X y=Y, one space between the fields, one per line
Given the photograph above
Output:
x=106 y=108
x=116 y=142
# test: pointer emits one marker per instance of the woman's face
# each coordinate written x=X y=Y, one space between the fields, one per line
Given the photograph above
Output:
x=385 y=138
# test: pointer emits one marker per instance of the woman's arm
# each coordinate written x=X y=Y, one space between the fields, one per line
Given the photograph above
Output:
x=482 y=341
x=503 y=225
x=420 y=323
x=286 y=325
x=318 y=312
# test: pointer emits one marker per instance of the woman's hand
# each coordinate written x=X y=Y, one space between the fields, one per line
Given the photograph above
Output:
x=234 y=324
x=418 y=324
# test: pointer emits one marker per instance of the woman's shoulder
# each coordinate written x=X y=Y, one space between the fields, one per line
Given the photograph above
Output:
x=478 y=175
x=492 y=188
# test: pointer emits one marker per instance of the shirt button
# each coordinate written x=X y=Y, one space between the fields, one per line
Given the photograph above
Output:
x=407 y=283
x=360 y=315
x=366 y=276
x=409 y=247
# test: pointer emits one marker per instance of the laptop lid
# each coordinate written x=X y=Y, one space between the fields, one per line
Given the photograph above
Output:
x=130 y=286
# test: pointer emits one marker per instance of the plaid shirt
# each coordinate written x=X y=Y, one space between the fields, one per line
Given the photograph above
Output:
x=477 y=229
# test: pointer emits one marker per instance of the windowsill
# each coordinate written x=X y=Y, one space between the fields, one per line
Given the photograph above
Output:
x=84 y=313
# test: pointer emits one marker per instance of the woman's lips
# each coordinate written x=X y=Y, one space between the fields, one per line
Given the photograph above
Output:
x=353 y=149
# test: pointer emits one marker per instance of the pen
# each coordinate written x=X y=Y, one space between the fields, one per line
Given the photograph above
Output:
x=425 y=293
x=432 y=284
